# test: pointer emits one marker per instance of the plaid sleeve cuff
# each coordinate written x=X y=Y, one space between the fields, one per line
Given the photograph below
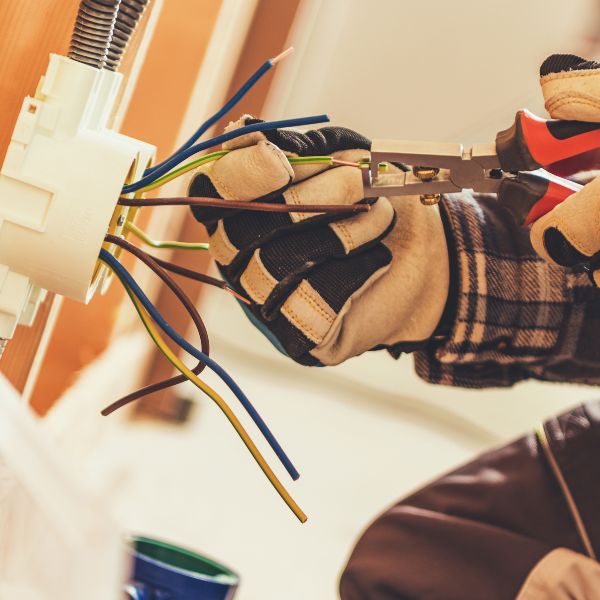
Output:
x=516 y=316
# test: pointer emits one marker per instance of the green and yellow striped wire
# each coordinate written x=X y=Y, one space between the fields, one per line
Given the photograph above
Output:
x=142 y=235
x=311 y=160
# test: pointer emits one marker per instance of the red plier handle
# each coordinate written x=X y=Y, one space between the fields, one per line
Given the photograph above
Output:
x=530 y=196
x=531 y=143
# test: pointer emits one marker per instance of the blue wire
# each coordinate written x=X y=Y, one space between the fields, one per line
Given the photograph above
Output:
x=221 y=113
x=215 y=141
x=126 y=277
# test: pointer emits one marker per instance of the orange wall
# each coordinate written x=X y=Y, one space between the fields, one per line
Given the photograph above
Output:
x=29 y=31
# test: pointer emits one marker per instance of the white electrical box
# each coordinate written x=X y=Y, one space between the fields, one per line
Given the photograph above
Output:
x=59 y=187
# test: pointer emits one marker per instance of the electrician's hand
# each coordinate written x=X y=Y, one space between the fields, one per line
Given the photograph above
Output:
x=324 y=287
x=569 y=235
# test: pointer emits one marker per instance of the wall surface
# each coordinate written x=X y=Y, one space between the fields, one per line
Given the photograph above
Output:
x=437 y=70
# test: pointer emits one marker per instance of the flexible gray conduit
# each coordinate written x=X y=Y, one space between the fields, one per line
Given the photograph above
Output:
x=93 y=31
x=103 y=29
x=129 y=15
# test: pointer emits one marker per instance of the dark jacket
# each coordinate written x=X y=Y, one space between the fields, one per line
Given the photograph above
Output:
x=490 y=529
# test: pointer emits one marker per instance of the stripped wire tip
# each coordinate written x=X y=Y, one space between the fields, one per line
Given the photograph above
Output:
x=346 y=163
x=283 y=55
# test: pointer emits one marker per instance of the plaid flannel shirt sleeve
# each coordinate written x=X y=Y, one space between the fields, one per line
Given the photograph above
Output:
x=515 y=316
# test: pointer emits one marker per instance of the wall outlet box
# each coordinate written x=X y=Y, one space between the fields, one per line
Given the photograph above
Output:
x=59 y=187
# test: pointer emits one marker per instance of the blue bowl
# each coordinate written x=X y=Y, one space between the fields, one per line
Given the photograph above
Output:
x=162 y=571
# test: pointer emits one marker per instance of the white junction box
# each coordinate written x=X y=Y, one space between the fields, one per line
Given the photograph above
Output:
x=59 y=187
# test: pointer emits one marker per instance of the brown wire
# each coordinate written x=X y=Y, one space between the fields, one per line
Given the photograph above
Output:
x=201 y=277
x=153 y=264
x=189 y=273
x=238 y=205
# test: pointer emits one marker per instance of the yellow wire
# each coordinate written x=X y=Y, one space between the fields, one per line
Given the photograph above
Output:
x=142 y=235
x=180 y=366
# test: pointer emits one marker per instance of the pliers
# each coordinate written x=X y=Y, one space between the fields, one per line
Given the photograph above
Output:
x=510 y=167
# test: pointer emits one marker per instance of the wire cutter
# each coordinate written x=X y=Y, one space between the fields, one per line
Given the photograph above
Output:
x=510 y=167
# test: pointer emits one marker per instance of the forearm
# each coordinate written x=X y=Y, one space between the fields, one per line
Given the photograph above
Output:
x=513 y=316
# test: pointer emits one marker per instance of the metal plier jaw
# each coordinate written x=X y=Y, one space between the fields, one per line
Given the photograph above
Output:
x=438 y=168
x=511 y=167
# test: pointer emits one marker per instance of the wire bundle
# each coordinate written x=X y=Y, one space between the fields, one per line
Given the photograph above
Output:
x=168 y=164
x=149 y=314
x=227 y=107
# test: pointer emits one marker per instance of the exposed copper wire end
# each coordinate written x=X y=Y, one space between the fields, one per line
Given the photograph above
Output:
x=283 y=55
x=238 y=296
x=347 y=163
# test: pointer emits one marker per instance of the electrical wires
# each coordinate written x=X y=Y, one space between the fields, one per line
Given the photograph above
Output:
x=179 y=157
x=258 y=457
x=146 y=310
x=229 y=105
x=201 y=356
x=162 y=173
x=184 y=169
x=310 y=160
x=196 y=319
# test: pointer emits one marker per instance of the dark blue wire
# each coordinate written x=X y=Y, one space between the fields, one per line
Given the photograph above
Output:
x=126 y=277
x=221 y=113
x=181 y=156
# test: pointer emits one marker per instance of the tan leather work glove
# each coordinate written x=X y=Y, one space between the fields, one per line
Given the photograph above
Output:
x=324 y=287
x=569 y=235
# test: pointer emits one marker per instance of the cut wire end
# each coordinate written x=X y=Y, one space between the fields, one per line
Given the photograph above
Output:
x=347 y=163
x=283 y=55
x=238 y=296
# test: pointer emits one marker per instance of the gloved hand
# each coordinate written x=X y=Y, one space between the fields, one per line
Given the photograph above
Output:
x=569 y=235
x=324 y=287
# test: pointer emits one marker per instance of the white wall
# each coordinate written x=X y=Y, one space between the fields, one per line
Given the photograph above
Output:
x=443 y=70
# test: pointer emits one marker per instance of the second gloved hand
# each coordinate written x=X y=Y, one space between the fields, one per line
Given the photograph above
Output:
x=324 y=287
x=569 y=235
